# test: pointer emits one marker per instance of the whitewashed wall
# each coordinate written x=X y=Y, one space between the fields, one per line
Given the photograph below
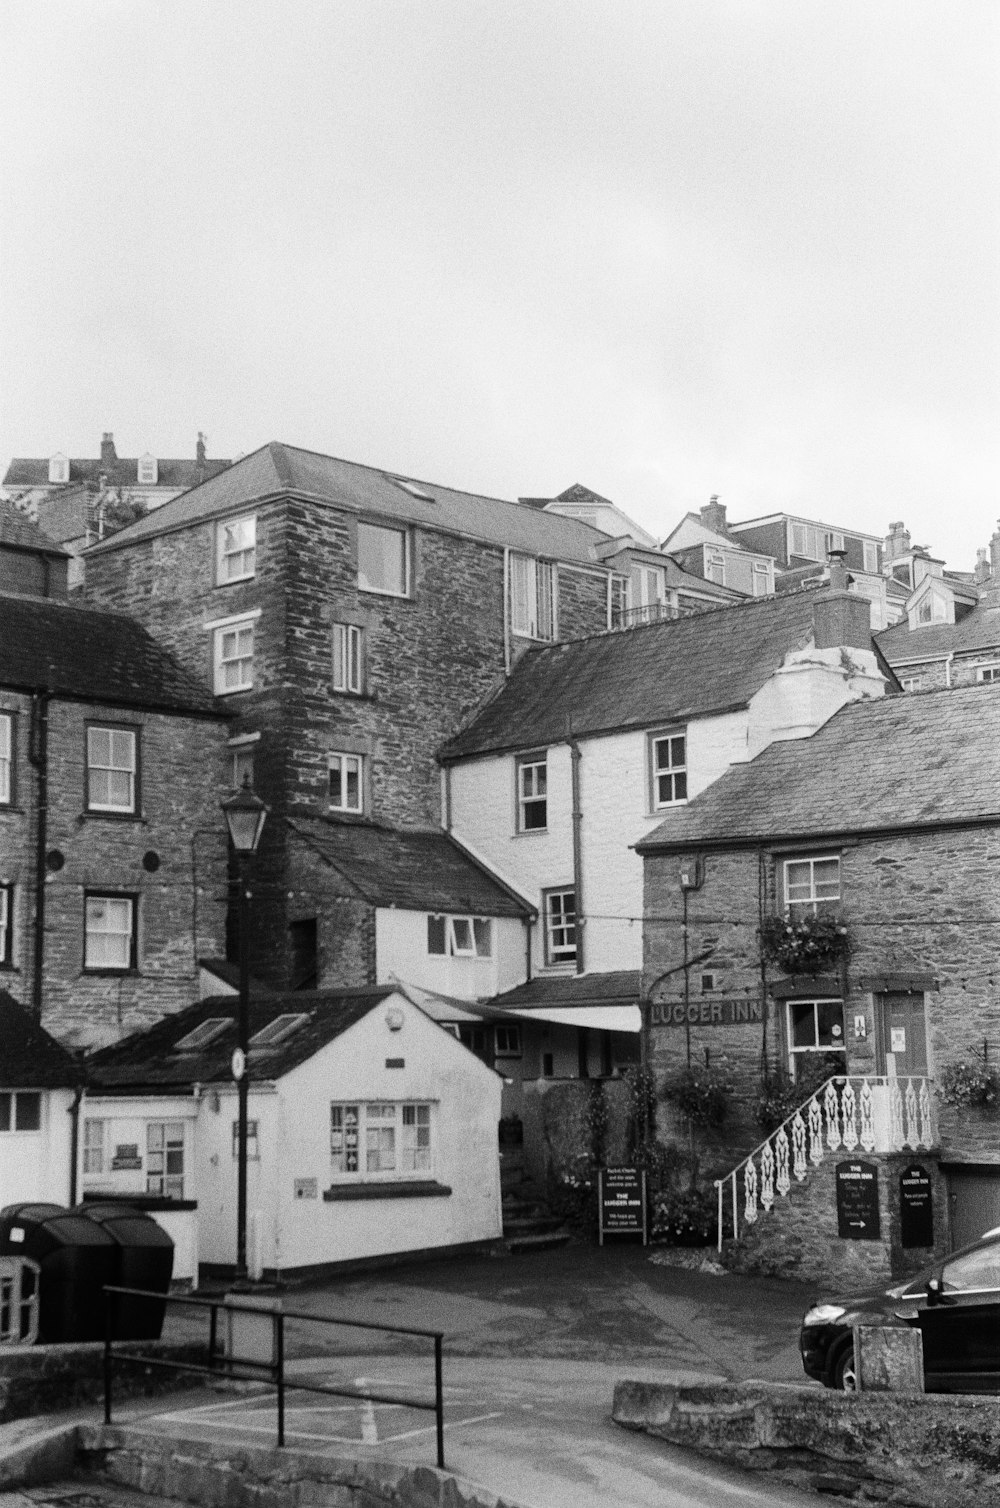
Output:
x=35 y=1165
x=401 y=953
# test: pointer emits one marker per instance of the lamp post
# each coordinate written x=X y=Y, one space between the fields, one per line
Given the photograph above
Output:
x=245 y=815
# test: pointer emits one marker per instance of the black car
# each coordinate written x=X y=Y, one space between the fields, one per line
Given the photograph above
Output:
x=955 y=1302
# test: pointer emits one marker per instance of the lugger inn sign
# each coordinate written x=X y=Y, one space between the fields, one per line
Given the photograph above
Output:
x=706 y=1013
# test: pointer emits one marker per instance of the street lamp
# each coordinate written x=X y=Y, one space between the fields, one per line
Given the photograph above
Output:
x=245 y=815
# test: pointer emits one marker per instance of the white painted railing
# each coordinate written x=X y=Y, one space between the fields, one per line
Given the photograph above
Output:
x=875 y=1114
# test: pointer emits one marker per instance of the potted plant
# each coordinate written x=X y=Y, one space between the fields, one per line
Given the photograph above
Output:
x=805 y=944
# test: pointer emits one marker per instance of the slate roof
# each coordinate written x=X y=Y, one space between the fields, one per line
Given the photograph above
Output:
x=123 y=471
x=879 y=765
x=620 y=987
x=148 y=1060
x=414 y=870
x=17 y=530
x=29 y=1057
x=979 y=629
x=656 y=673
x=276 y=469
x=92 y=657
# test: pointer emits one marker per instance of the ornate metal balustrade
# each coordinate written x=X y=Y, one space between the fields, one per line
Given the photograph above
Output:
x=844 y=1114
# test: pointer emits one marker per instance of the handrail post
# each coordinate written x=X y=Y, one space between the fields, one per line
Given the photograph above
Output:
x=107 y=1357
x=280 y=1363
x=213 y=1334
x=439 y=1401
x=718 y=1185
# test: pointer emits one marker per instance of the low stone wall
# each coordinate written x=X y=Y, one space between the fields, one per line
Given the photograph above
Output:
x=928 y=1451
x=229 y=1476
x=43 y=1379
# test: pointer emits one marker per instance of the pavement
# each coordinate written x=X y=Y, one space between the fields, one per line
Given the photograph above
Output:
x=534 y=1346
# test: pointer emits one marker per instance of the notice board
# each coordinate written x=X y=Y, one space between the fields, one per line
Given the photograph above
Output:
x=916 y=1207
x=621 y=1202
x=857 y=1201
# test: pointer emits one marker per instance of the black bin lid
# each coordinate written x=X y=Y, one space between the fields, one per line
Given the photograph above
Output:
x=127 y=1226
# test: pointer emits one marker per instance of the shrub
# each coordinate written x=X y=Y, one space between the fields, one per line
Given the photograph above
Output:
x=781 y=1096
x=701 y=1092
x=686 y=1217
x=969 y=1084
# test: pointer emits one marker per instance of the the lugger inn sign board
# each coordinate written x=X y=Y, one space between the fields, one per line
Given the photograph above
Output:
x=702 y=1012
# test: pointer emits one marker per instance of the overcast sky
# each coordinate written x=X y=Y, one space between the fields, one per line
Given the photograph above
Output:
x=666 y=248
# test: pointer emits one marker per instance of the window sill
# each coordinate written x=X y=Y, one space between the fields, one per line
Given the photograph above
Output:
x=233 y=691
x=91 y=812
x=531 y=832
x=236 y=581
x=139 y=1201
x=109 y=973
x=422 y=1188
x=377 y=591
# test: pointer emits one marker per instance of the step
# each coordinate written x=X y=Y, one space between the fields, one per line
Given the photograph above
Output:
x=543 y=1242
x=531 y=1225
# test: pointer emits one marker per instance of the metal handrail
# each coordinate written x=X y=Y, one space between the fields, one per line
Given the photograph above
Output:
x=272 y=1371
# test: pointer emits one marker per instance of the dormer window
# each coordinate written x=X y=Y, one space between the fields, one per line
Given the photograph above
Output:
x=59 y=468
x=147 y=470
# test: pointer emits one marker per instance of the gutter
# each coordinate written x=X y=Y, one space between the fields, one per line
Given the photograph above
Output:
x=813 y=836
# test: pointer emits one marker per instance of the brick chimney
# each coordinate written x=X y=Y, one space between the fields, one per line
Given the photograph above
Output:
x=982 y=573
x=995 y=552
x=897 y=542
x=842 y=619
x=199 y=449
x=713 y=515
x=837 y=561
x=108 y=456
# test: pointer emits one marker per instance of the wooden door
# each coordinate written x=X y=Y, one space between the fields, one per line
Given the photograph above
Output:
x=902 y=1035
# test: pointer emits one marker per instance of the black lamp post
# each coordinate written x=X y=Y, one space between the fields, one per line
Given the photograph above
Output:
x=245 y=815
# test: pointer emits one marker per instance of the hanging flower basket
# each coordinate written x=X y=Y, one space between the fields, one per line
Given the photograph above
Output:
x=806 y=945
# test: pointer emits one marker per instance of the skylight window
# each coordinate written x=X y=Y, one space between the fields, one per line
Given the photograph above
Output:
x=277 y=1030
x=412 y=489
x=203 y=1033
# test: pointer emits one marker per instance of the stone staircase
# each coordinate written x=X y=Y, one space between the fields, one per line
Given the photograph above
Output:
x=528 y=1223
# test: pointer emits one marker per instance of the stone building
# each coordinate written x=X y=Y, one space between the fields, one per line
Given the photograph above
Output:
x=112 y=845
x=30 y=562
x=350 y=619
x=885 y=822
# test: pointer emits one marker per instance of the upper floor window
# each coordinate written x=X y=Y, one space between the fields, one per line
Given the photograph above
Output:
x=346 y=784
x=347 y=665
x=112 y=769
x=59 y=468
x=146 y=470
x=234 y=642
x=383 y=564
x=460 y=936
x=532 y=597
x=813 y=543
x=911 y=682
x=6 y=758
x=560 y=926
x=381 y=1137
x=715 y=567
x=988 y=672
x=812 y=885
x=235 y=549
x=870 y=549
x=761 y=579
x=109 y=935
x=668 y=758
x=532 y=793
x=93 y=1147
x=6 y=926
x=20 y=1110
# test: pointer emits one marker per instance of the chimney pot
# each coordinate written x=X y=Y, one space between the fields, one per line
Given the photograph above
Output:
x=108 y=455
x=199 y=449
x=837 y=560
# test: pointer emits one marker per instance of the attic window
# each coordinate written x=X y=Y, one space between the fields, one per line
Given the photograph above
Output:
x=203 y=1033
x=146 y=470
x=277 y=1030
x=412 y=489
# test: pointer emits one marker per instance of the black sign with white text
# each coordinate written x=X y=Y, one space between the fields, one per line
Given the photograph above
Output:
x=857 y=1201
x=916 y=1207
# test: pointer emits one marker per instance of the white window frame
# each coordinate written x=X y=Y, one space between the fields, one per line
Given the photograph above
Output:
x=6 y=758
x=817 y=1047
x=347 y=662
x=817 y=541
x=93 y=1146
x=532 y=777
x=870 y=555
x=760 y=578
x=533 y=593
x=673 y=772
x=59 y=468
x=6 y=925
x=558 y=928
x=13 y=1097
x=988 y=673
x=92 y=934
x=122 y=759
x=146 y=471
x=236 y=558
x=343 y=762
x=172 y=1139
x=245 y=623
x=460 y=936
x=715 y=562
x=809 y=898
x=356 y=1143
x=911 y=682
x=403 y=534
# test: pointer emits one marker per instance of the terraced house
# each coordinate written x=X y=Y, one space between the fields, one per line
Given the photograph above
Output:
x=350 y=619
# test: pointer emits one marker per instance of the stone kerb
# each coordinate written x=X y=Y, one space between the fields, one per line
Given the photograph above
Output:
x=924 y=1451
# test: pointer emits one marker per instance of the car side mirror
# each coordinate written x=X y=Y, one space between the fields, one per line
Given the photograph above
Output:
x=935 y=1290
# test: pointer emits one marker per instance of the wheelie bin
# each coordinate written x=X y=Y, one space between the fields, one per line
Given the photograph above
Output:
x=75 y=1257
x=145 y=1260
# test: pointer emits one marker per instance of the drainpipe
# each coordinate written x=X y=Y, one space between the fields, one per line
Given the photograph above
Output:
x=947 y=667
x=74 y=1139
x=447 y=797
x=527 y=949
x=506 y=610
x=38 y=753
x=575 y=757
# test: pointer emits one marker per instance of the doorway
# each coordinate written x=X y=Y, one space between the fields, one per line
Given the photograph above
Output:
x=973 y=1203
x=901 y=1020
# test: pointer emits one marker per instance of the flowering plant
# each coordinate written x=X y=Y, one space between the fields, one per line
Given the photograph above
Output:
x=686 y=1217
x=804 y=944
x=701 y=1092
x=970 y=1084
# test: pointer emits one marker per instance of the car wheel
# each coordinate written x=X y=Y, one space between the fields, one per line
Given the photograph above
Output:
x=844 y=1375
